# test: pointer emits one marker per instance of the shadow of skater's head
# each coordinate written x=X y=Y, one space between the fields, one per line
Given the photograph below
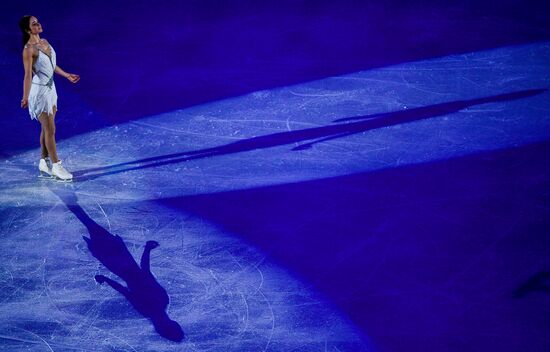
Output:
x=168 y=328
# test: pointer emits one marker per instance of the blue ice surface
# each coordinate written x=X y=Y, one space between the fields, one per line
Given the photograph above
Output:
x=399 y=208
x=139 y=59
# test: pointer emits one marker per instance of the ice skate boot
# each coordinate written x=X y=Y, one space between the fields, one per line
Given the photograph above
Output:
x=60 y=174
x=45 y=168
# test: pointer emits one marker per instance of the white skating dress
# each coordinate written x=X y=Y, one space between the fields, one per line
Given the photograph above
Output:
x=43 y=96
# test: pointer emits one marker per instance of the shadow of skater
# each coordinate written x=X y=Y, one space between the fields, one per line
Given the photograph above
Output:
x=308 y=136
x=540 y=282
x=142 y=289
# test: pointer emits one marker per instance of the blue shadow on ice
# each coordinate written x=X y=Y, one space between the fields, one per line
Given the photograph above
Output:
x=317 y=134
x=415 y=256
x=142 y=289
x=540 y=282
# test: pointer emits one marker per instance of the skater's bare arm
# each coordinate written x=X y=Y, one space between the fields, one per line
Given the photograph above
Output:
x=27 y=64
x=70 y=76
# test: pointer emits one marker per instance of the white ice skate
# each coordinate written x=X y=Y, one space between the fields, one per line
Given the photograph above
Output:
x=45 y=168
x=60 y=174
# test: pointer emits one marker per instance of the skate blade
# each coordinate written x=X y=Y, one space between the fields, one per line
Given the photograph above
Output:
x=44 y=175
x=57 y=179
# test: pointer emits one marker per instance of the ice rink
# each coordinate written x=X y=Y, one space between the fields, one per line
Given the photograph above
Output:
x=390 y=201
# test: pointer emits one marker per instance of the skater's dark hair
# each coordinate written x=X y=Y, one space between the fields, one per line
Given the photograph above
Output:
x=25 y=27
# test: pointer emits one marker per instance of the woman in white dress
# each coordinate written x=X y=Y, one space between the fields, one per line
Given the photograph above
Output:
x=39 y=94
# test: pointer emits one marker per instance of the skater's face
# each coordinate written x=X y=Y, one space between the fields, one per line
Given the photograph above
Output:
x=34 y=25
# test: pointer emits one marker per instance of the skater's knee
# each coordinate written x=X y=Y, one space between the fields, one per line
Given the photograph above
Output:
x=49 y=132
x=48 y=128
x=47 y=124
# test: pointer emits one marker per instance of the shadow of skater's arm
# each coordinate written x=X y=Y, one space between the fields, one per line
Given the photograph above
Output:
x=123 y=290
x=310 y=144
x=146 y=256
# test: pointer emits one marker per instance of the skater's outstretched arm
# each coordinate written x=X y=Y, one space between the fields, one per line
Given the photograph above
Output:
x=123 y=290
x=145 y=257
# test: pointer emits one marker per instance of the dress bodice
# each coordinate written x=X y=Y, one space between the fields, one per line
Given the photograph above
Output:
x=44 y=67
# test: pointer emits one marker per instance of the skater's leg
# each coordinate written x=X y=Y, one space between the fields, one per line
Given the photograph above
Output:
x=45 y=164
x=48 y=124
x=48 y=127
x=43 y=149
x=146 y=256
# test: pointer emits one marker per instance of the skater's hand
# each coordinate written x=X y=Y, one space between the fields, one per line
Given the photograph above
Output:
x=24 y=103
x=100 y=279
x=151 y=244
x=73 y=78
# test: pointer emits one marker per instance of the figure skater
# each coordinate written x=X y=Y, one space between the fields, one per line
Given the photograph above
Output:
x=39 y=94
